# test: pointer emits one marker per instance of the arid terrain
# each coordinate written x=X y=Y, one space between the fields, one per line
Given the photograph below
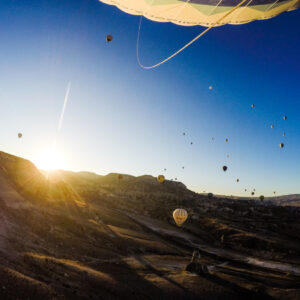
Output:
x=85 y=236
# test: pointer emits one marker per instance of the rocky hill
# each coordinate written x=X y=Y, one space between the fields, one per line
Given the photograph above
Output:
x=84 y=236
x=286 y=200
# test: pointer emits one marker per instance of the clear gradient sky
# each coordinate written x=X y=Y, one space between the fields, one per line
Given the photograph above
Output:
x=121 y=118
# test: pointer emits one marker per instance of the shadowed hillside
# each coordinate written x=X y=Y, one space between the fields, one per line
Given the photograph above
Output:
x=84 y=236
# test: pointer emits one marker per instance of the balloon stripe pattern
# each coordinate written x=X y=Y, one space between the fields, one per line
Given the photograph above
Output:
x=204 y=12
x=180 y=215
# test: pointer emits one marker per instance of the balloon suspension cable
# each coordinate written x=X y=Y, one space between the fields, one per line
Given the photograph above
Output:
x=186 y=45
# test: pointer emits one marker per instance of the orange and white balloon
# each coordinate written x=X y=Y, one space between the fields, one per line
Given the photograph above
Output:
x=180 y=215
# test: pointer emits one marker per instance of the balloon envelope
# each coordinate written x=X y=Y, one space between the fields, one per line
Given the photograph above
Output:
x=160 y=178
x=180 y=215
x=109 y=38
x=204 y=12
x=20 y=135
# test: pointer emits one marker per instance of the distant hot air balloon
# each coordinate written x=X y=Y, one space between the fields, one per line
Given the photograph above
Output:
x=227 y=155
x=165 y=169
x=191 y=143
x=261 y=198
x=274 y=193
x=183 y=133
x=283 y=134
x=226 y=140
x=182 y=167
x=224 y=168
x=252 y=105
x=160 y=178
x=176 y=178
x=285 y=117
x=210 y=87
x=20 y=135
x=245 y=190
x=281 y=145
x=109 y=38
x=272 y=126
x=237 y=180
x=180 y=215
x=252 y=193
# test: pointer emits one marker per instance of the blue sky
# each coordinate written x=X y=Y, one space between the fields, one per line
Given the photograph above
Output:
x=121 y=118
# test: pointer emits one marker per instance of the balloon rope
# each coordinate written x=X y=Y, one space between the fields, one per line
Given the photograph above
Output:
x=186 y=45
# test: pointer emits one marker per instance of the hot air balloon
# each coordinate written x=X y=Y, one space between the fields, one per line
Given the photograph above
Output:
x=160 y=178
x=261 y=198
x=245 y=190
x=226 y=140
x=109 y=38
x=204 y=12
x=274 y=193
x=183 y=133
x=165 y=169
x=272 y=126
x=252 y=193
x=227 y=155
x=283 y=134
x=281 y=145
x=208 y=13
x=20 y=135
x=285 y=117
x=182 y=167
x=237 y=180
x=176 y=178
x=180 y=215
x=210 y=87
x=191 y=143
x=224 y=168
x=252 y=105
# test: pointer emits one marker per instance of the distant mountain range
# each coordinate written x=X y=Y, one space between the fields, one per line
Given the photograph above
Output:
x=286 y=200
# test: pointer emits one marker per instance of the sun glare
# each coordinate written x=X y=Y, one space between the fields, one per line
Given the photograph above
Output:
x=49 y=160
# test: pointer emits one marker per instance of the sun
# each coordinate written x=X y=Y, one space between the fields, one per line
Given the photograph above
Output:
x=49 y=160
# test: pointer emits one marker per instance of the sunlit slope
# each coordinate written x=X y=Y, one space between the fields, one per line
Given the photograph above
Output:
x=85 y=236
